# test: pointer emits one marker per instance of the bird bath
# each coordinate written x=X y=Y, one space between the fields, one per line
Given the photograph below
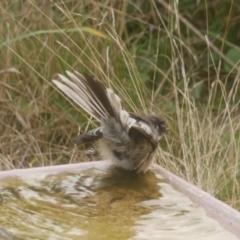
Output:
x=97 y=201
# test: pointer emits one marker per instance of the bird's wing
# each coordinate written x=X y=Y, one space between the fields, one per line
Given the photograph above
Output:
x=143 y=126
x=88 y=137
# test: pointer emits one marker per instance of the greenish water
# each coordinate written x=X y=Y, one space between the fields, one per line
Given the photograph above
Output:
x=102 y=204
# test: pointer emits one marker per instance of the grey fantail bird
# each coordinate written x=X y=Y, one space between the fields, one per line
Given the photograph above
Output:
x=130 y=140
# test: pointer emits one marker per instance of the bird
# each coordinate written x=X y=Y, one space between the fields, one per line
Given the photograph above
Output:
x=129 y=140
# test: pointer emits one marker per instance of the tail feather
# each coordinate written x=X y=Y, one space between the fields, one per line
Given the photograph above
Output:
x=98 y=96
x=97 y=100
x=76 y=94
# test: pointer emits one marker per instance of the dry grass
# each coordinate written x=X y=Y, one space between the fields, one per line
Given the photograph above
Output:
x=41 y=39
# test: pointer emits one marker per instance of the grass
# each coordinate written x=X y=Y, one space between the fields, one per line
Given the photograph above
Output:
x=175 y=60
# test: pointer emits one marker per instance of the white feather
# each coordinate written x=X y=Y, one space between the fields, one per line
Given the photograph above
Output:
x=80 y=94
x=74 y=95
x=115 y=101
x=100 y=108
x=143 y=126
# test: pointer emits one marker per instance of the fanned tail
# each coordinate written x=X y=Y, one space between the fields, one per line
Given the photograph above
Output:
x=97 y=100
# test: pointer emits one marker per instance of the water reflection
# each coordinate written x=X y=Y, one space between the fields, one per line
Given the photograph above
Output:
x=101 y=204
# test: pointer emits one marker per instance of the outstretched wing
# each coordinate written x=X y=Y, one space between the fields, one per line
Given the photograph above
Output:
x=88 y=137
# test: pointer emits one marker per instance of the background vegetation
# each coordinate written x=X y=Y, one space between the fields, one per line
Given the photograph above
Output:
x=179 y=59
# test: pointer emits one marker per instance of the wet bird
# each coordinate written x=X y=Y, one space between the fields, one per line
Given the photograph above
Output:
x=130 y=140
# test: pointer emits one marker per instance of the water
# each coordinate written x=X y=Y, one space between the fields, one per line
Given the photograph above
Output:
x=102 y=204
